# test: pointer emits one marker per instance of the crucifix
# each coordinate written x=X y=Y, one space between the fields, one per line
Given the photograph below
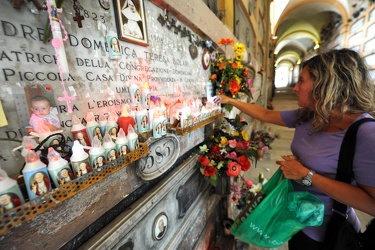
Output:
x=67 y=99
x=78 y=18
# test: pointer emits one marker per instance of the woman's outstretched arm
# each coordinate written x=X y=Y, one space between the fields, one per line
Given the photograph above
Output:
x=255 y=111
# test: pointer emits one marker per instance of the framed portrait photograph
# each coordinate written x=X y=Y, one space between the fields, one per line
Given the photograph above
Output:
x=131 y=21
x=160 y=226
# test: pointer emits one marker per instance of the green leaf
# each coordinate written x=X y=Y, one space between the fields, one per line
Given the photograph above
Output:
x=213 y=181
x=228 y=107
x=47 y=34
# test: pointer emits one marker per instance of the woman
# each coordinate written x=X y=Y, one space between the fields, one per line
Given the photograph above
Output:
x=333 y=90
x=133 y=20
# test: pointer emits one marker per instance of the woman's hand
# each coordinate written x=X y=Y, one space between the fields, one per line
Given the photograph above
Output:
x=357 y=196
x=221 y=99
x=292 y=168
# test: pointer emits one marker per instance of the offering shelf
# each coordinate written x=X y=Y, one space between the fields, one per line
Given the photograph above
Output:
x=32 y=208
x=184 y=131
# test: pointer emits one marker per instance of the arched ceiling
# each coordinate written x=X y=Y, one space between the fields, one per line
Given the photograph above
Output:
x=300 y=24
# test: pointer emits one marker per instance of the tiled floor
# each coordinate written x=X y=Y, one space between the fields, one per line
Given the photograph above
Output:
x=284 y=99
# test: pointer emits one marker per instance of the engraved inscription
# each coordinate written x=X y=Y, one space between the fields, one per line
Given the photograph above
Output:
x=162 y=155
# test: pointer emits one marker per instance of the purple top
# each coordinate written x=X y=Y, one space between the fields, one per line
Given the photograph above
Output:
x=320 y=152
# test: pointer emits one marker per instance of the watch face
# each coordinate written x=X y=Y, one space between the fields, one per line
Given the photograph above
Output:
x=306 y=182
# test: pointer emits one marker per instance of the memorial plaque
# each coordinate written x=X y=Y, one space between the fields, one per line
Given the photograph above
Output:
x=188 y=192
x=163 y=153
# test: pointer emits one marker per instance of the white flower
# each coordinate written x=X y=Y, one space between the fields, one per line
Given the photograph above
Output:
x=256 y=188
x=203 y=148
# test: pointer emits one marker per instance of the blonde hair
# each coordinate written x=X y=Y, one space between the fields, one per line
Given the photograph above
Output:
x=341 y=81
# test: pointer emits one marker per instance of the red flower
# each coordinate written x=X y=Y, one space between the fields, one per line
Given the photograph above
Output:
x=234 y=87
x=235 y=199
x=245 y=163
x=213 y=77
x=203 y=160
x=222 y=65
x=234 y=65
x=245 y=72
x=209 y=171
x=249 y=183
x=244 y=145
x=234 y=169
x=225 y=41
x=215 y=149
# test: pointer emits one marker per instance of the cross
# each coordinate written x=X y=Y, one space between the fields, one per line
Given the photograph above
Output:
x=67 y=98
x=78 y=18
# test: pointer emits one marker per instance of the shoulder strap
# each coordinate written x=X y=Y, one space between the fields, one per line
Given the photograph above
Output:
x=345 y=163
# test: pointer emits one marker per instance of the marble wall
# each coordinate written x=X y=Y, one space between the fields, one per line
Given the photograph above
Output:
x=123 y=209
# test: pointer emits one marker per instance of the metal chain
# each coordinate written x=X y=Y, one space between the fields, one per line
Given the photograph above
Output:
x=75 y=6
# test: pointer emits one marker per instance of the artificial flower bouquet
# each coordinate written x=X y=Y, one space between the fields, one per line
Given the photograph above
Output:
x=243 y=192
x=228 y=75
x=226 y=152
x=262 y=139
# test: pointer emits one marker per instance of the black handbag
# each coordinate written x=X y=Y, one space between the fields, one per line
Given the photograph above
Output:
x=340 y=234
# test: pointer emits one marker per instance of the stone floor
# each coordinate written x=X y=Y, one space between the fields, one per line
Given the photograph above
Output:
x=284 y=99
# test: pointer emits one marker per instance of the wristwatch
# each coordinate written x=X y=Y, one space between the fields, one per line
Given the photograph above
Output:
x=307 y=181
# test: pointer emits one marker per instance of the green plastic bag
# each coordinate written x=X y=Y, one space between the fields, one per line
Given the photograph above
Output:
x=277 y=213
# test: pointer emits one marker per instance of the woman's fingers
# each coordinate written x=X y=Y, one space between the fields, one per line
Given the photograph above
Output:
x=217 y=99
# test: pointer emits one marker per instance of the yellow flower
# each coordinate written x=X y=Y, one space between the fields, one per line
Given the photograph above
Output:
x=223 y=142
x=237 y=78
x=229 y=75
x=221 y=58
x=239 y=47
x=236 y=133
x=245 y=136
x=239 y=65
x=239 y=57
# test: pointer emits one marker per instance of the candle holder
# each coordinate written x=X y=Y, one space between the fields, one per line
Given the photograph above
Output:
x=186 y=130
x=41 y=204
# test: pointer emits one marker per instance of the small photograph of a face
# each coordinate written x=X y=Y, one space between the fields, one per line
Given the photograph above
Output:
x=160 y=226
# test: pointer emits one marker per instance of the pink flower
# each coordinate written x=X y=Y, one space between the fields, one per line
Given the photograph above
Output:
x=232 y=143
x=252 y=90
x=249 y=82
x=236 y=189
x=249 y=183
x=231 y=155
